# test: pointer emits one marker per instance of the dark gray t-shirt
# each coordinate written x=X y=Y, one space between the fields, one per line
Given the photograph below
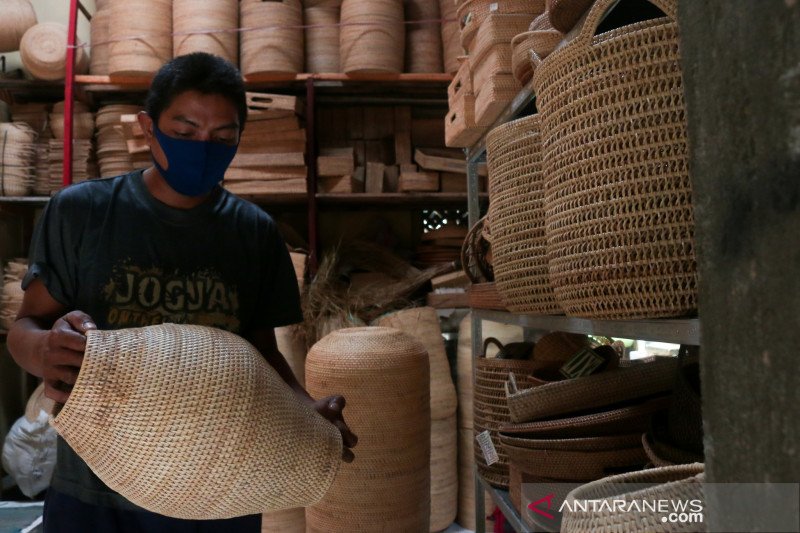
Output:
x=109 y=248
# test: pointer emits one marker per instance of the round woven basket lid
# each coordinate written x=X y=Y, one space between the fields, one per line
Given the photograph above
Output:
x=203 y=406
x=18 y=17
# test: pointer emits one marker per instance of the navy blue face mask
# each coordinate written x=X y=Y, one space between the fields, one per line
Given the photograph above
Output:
x=195 y=167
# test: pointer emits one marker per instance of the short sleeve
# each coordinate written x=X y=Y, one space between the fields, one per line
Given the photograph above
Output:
x=53 y=256
x=279 y=297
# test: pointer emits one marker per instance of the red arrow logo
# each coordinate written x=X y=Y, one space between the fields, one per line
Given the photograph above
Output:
x=534 y=506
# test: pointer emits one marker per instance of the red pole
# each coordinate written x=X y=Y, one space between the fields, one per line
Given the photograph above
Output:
x=69 y=91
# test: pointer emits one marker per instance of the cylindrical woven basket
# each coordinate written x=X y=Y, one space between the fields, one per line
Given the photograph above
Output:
x=516 y=191
x=205 y=405
x=98 y=60
x=620 y=229
x=18 y=152
x=286 y=521
x=466 y=484
x=383 y=375
x=422 y=323
x=675 y=483
x=444 y=473
x=272 y=37
x=18 y=17
x=372 y=36
x=451 y=41
x=322 y=39
x=423 y=36
x=592 y=392
x=43 y=51
x=142 y=31
x=206 y=26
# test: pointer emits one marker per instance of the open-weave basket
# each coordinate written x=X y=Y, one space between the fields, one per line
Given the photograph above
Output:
x=167 y=415
x=383 y=375
x=543 y=42
x=620 y=229
x=675 y=483
x=591 y=392
x=516 y=193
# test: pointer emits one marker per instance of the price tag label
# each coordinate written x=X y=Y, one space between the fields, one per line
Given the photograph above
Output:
x=487 y=447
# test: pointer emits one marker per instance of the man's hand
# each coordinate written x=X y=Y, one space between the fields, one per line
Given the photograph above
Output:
x=62 y=354
x=331 y=408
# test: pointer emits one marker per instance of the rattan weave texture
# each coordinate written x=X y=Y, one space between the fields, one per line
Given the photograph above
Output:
x=168 y=415
x=620 y=228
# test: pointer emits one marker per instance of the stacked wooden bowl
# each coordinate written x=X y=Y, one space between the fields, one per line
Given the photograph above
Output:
x=17 y=158
x=112 y=149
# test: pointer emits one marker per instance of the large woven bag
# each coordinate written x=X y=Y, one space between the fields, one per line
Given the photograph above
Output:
x=620 y=230
x=192 y=422
x=516 y=192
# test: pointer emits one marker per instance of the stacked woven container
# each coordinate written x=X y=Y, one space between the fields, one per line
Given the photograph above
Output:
x=487 y=29
x=18 y=152
x=113 y=156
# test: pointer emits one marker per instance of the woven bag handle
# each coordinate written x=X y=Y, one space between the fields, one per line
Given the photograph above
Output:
x=491 y=340
x=597 y=13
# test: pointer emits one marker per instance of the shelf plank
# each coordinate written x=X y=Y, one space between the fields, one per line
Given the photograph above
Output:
x=28 y=200
x=678 y=331
x=400 y=199
x=503 y=501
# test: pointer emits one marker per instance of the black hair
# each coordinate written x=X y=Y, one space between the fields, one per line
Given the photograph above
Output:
x=199 y=71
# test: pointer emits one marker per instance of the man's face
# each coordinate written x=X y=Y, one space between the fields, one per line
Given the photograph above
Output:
x=194 y=116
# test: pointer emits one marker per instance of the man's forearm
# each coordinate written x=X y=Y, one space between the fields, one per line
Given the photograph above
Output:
x=25 y=340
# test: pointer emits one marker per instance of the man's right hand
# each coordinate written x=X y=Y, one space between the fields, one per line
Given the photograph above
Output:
x=62 y=354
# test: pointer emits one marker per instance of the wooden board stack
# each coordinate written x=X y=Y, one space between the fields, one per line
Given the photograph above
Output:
x=271 y=155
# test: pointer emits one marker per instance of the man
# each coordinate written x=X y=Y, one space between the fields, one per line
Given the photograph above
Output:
x=166 y=244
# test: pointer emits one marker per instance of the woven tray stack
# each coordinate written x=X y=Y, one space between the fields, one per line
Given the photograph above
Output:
x=487 y=29
x=11 y=297
x=37 y=117
x=112 y=148
x=583 y=429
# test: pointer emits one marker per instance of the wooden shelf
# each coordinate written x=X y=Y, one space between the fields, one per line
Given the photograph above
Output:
x=678 y=331
x=26 y=200
x=399 y=199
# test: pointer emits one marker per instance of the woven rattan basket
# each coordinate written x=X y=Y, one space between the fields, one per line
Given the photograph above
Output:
x=628 y=419
x=43 y=50
x=18 y=17
x=98 y=60
x=206 y=26
x=451 y=41
x=564 y=14
x=675 y=483
x=591 y=392
x=372 y=36
x=423 y=36
x=383 y=375
x=203 y=405
x=516 y=192
x=472 y=14
x=543 y=42
x=142 y=31
x=285 y=521
x=620 y=229
x=272 y=39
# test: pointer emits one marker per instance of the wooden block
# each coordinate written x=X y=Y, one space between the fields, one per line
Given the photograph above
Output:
x=419 y=182
x=427 y=132
x=409 y=167
x=457 y=279
x=272 y=102
x=336 y=184
x=445 y=160
x=391 y=178
x=334 y=162
x=293 y=186
x=378 y=122
x=355 y=123
x=268 y=114
x=265 y=173
x=273 y=136
x=277 y=147
x=402 y=135
x=271 y=126
x=448 y=300
x=137 y=146
x=360 y=148
x=381 y=151
x=294 y=159
x=360 y=177
x=373 y=182
x=454 y=182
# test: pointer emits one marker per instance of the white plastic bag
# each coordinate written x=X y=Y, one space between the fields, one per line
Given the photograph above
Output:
x=29 y=453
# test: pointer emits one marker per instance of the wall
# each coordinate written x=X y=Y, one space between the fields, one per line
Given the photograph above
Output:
x=741 y=64
x=53 y=11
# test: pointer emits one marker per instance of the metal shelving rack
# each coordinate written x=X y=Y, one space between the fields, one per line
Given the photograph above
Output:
x=678 y=331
